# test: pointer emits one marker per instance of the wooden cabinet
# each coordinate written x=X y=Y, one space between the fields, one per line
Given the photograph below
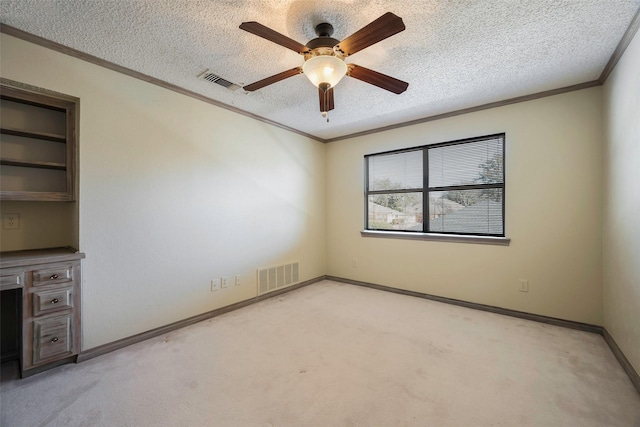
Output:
x=53 y=338
x=38 y=145
x=50 y=281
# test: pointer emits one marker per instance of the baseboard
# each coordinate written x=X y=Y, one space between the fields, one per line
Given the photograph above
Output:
x=29 y=372
x=125 y=342
x=498 y=310
x=624 y=362
x=626 y=365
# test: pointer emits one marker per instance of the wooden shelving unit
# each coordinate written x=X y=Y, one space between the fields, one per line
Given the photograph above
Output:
x=38 y=145
x=31 y=164
x=37 y=135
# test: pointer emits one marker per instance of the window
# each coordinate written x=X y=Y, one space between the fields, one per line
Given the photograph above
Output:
x=452 y=188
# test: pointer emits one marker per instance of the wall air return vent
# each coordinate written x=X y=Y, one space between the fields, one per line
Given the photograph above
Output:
x=214 y=78
x=280 y=276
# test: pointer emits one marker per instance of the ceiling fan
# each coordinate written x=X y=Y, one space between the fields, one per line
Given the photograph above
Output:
x=324 y=57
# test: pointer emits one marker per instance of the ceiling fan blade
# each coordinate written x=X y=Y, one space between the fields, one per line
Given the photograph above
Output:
x=273 y=36
x=273 y=79
x=326 y=100
x=377 y=79
x=383 y=27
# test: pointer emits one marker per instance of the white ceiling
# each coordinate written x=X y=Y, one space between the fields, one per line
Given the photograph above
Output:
x=454 y=54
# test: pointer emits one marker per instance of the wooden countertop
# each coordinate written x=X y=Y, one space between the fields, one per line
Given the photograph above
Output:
x=38 y=256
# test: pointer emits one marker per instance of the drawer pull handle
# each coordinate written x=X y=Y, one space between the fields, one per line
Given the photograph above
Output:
x=54 y=301
x=53 y=277
x=54 y=339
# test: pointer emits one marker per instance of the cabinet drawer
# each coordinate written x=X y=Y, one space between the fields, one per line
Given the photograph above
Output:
x=11 y=281
x=49 y=301
x=52 y=337
x=60 y=273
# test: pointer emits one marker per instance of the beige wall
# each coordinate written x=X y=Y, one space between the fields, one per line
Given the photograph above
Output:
x=622 y=204
x=175 y=192
x=553 y=212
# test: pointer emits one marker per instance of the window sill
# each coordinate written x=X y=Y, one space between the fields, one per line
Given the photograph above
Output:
x=485 y=240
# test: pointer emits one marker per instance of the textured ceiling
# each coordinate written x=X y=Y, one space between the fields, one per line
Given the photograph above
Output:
x=454 y=54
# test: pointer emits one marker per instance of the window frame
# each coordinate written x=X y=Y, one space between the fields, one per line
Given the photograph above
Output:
x=426 y=190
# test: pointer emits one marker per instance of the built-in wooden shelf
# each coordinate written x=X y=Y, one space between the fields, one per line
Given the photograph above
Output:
x=29 y=164
x=32 y=134
x=46 y=124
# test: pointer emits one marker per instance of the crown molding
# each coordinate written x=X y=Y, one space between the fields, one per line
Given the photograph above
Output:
x=488 y=106
x=613 y=60
x=41 y=41
x=632 y=29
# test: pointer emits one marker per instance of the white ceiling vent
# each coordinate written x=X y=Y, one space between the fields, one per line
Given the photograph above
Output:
x=214 y=78
x=272 y=278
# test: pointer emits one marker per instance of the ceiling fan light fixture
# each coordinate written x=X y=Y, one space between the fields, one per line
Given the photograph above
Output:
x=324 y=69
x=324 y=56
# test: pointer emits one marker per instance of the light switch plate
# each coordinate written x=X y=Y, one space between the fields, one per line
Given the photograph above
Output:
x=524 y=285
x=11 y=221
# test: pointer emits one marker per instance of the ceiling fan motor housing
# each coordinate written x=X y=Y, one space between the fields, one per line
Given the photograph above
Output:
x=324 y=40
x=324 y=29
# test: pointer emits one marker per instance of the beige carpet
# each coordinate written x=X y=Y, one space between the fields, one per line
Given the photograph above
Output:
x=333 y=354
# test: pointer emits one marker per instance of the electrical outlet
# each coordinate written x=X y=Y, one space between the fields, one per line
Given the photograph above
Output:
x=354 y=263
x=237 y=280
x=215 y=285
x=224 y=282
x=11 y=221
x=524 y=285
